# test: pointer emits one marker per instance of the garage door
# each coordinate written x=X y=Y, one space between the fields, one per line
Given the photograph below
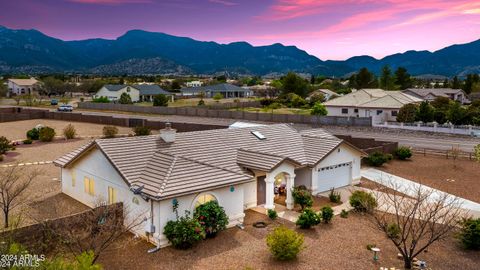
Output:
x=334 y=176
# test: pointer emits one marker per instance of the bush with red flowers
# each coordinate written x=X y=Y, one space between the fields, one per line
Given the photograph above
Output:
x=212 y=217
x=185 y=232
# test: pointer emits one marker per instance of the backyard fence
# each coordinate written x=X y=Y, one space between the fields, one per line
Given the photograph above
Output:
x=232 y=114
x=448 y=154
x=370 y=145
x=434 y=127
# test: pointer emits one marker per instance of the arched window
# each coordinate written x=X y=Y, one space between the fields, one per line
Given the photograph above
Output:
x=204 y=198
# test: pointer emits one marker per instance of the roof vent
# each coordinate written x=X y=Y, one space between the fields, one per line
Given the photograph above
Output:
x=168 y=133
x=258 y=135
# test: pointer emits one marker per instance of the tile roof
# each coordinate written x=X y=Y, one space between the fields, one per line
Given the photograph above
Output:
x=145 y=89
x=373 y=98
x=423 y=92
x=30 y=81
x=201 y=160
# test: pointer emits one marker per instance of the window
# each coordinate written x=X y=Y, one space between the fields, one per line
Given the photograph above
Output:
x=128 y=89
x=204 y=198
x=355 y=110
x=344 y=110
x=74 y=178
x=89 y=186
x=394 y=113
x=112 y=195
x=379 y=112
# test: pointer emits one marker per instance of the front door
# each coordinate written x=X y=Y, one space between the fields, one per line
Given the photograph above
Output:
x=261 y=186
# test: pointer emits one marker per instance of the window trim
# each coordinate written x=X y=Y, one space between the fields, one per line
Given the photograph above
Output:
x=344 y=110
x=195 y=200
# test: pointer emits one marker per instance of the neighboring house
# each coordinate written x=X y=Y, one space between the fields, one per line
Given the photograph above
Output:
x=379 y=104
x=22 y=86
x=240 y=168
x=194 y=84
x=429 y=94
x=138 y=92
x=227 y=90
x=328 y=94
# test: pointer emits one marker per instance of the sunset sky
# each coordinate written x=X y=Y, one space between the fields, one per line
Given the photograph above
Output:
x=330 y=29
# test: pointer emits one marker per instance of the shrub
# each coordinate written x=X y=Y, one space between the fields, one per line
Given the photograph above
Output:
x=217 y=97
x=327 y=214
x=101 y=100
x=284 y=243
x=293 y=100
x=33 y=134
x=407 y=113
x=125 y=99
x=393 y=231
x=266 y=101
x=344 y=213
x=470 y=233
x=5 y=145
x=302 y=197
x=307 y=219
x=110 y=131
x=46 y=134
x=27 y=141
x=69 y=132
x=334 y=196
x=319 y=109
x=160 y=100
x=362 y=201
x=376 y=159
x=184 y=232
x=403 y=153
x=272 y=214
x=142 y=131
x=212 y=218
x=316 y=98
x=201 y=102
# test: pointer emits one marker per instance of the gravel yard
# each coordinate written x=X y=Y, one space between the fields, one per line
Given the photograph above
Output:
x=340 y=245
x=461 y=179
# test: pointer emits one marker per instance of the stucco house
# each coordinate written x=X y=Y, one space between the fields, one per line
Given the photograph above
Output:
x=381 y=105
x=327 y=93
x=22 y=86
x=240 y=168
x=227 y=90
x=138 y=92
x=429 y=94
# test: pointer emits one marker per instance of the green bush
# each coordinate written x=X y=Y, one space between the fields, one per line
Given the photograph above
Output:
x=69 y=132
x=201 y=102
x=101 y=100
x=184 y=233
x=27 y=141
x=142 y=131
x=212 y=218
x=302 y=196
x=110 y=131
x=46 y=134
x=327 y=214
x=160 y=100
x=403 y=153
x=272 y=214
x=5 y=145
x=344 y=213
x=319 y=109
x=334 y=196
x=125 y=99
x=362 y=201
x=284 y=243
x=393 y=231
x=33 y=134
x=307 y=219
x=316 y=98
x=217 y=97
x=470 y=233
x=376 y=159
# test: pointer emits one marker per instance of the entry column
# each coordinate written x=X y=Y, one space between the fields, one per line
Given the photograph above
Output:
x=269 y=192
x=289 y=187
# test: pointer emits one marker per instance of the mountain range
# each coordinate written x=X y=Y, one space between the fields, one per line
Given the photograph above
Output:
x=141 y=52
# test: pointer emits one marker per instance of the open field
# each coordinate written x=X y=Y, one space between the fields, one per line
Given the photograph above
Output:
x=460 y=178
x=340 y=245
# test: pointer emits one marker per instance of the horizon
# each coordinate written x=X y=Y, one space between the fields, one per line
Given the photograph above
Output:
x=329 y=30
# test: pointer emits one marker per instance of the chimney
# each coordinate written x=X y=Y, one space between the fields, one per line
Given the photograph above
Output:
x=168 y=133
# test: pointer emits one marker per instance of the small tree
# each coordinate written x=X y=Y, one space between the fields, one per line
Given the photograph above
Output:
x=14 y=181
x=125 y=99
x=212 y=218
x=160 y=100
x=376 y=159
x=414 y=222
x=425 y=112
x=110 y=131
x=319 y=109
x=142 y=131
x=302 y=196
x=454 y=153
x=407 y=113
x=476 y=152
x=470 y=233
x=316 y=98
x=308 y=218
x=5 y=145
x=327 y=214
x=217 y=97
x=69 y=132
x=362 y=201
x=284 y=244
x=46 y=134
x=403 y=153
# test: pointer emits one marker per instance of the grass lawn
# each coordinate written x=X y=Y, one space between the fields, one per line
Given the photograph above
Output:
x=277 y=111
x=460 y=178
x=340 y=245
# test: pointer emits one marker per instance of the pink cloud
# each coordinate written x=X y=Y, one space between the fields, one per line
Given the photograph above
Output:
x=223 y=2
x=111 y=2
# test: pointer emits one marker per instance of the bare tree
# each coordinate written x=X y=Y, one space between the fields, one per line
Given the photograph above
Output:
x=14 y=182
x=416 y=221
x=97 y=230
x=454 y=153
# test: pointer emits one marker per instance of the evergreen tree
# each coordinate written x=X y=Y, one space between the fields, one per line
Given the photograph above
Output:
x=402 y=78
x=365 y=79
x=456 y=114
x=425 y=112
x=470 y=82
x=407 y=113
x=386 y=79
x=445 y=84
x=456 y=84
x=125 y=99
x=292 y=83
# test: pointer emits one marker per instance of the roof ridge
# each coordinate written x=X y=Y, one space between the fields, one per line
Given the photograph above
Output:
x=258 y=152
x=167 y=176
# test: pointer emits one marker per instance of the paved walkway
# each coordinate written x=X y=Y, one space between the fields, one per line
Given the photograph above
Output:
x=408 y=187
x=27 y=164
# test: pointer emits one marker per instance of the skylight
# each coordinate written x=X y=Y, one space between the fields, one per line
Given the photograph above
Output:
x=259 y=135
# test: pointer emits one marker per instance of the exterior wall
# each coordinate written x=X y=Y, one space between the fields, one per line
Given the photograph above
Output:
x=115 y=95
x=20 y=89
x=342 y=154
x=94 y=165
x=250 y=194
x=232 y=203
x=386 y=115
x=303 y=177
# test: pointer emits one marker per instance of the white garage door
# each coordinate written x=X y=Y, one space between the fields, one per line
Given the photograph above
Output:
x=334 y=176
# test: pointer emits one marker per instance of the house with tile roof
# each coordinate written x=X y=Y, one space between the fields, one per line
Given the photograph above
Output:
x=225 y=89
x=382 y=106
x=137 y=92
x=22 y=86
x=240 y=168
x=430 y=94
